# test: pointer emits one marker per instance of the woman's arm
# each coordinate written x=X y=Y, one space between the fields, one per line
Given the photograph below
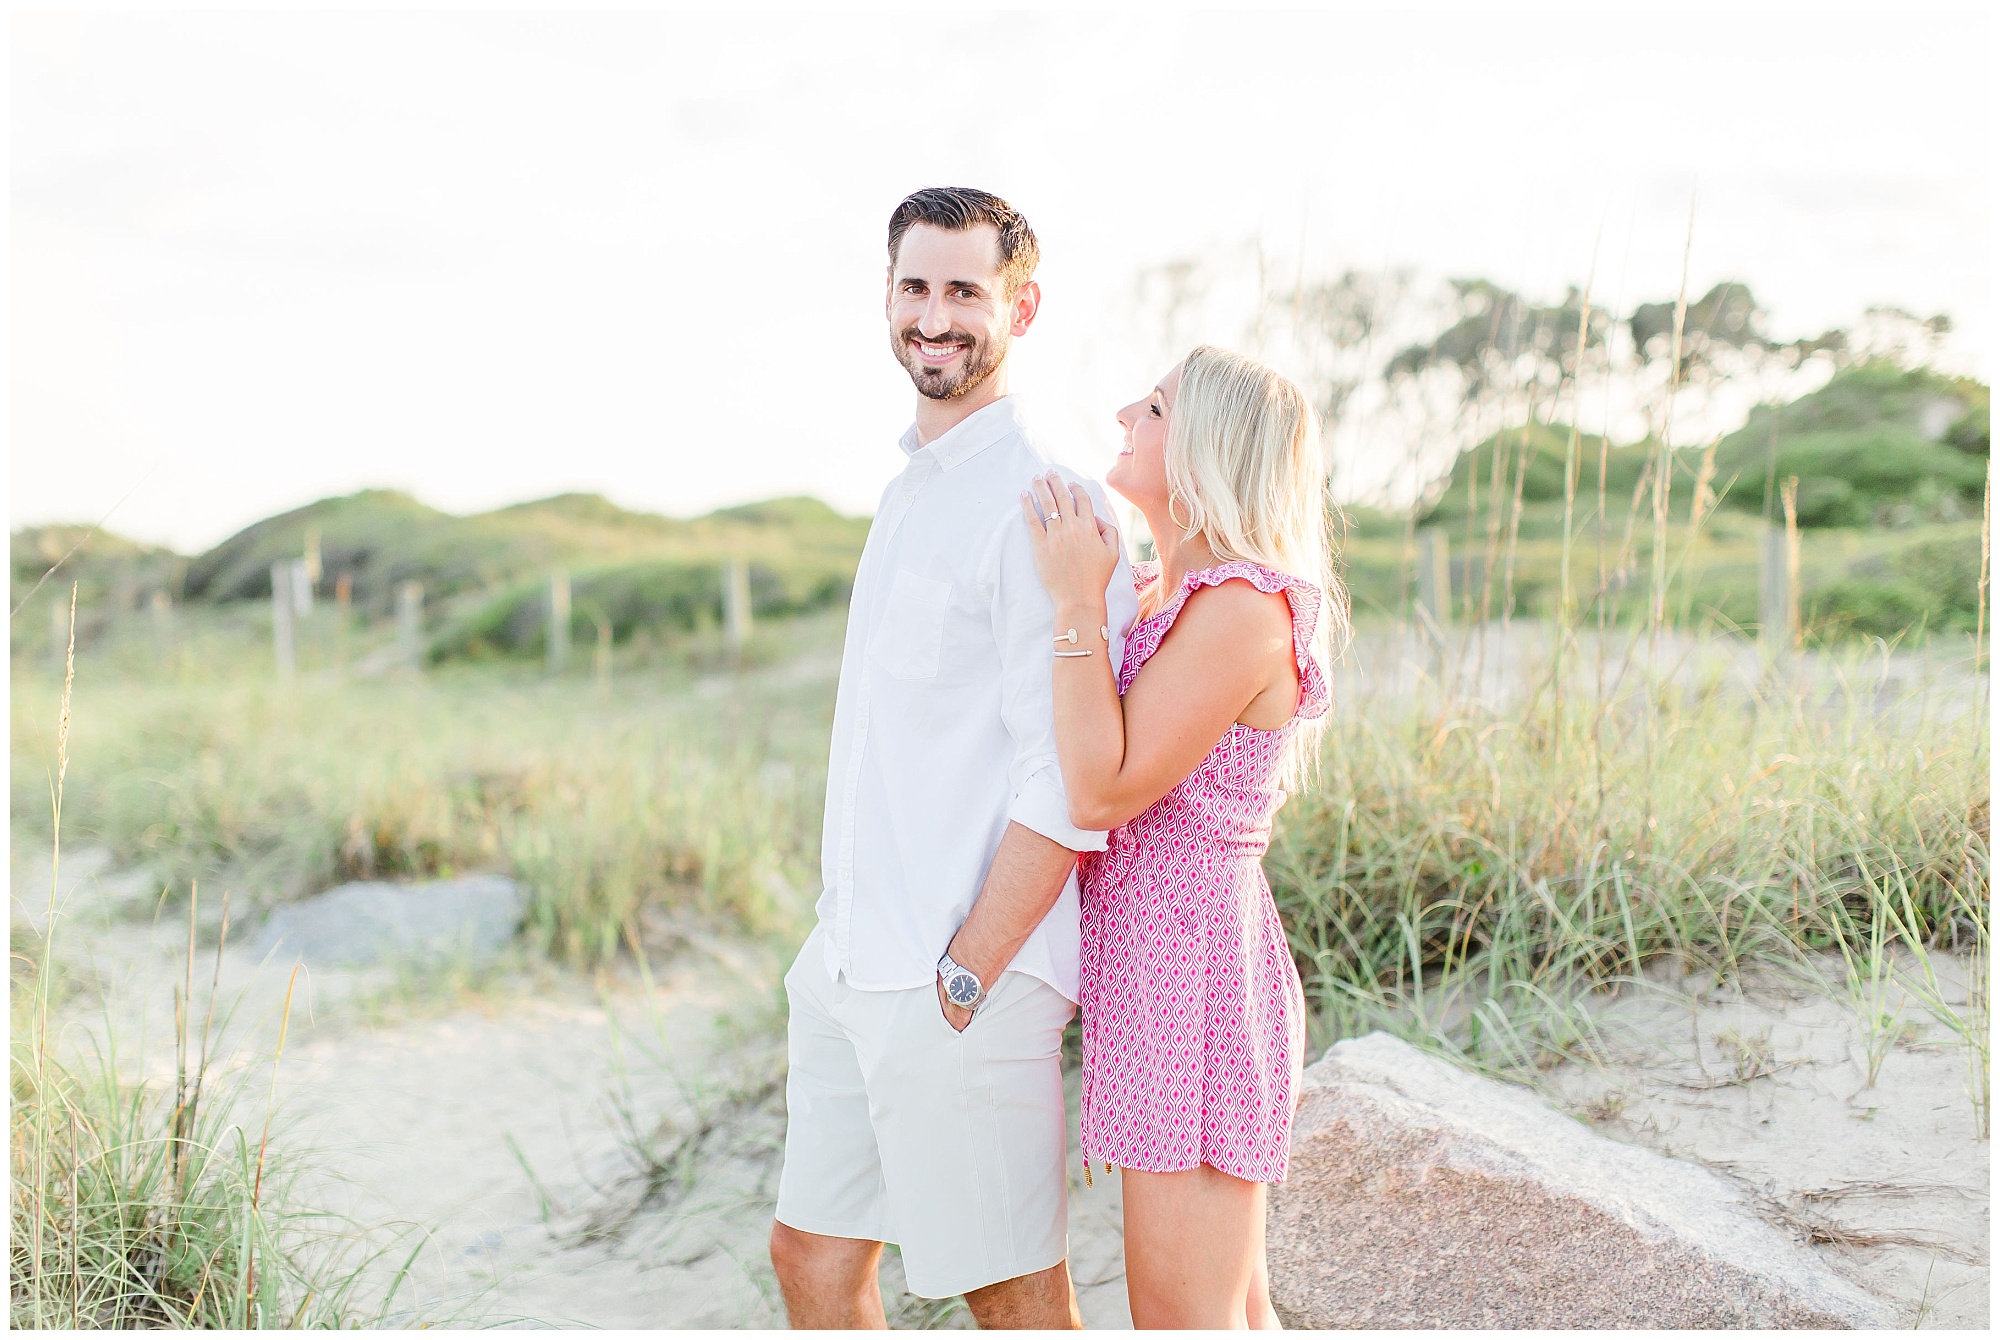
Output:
x=1119 y=756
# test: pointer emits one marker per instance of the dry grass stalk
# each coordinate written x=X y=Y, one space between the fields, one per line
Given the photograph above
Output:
x=44 y=967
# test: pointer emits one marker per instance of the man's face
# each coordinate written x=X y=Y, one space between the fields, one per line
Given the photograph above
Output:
x=950 y=317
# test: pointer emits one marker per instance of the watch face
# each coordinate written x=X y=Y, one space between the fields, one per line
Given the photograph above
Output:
x=963 y=988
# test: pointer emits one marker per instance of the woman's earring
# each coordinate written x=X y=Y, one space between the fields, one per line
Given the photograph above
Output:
x=1173 y=498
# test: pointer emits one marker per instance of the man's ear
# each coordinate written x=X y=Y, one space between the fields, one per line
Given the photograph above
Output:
x=1026 y=303
x=888 y=289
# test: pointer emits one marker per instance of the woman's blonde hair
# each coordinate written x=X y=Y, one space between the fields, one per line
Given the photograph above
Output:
x=1245 y=468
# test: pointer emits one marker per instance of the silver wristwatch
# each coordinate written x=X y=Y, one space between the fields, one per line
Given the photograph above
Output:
x=962 y=986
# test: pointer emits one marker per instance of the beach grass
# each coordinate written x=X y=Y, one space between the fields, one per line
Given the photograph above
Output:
x=1491 y=854
x=1643 y=786
x=1471 y=873
x=134 y=1206
x=1469 y=869
x=675 y=794
x=138 y=1205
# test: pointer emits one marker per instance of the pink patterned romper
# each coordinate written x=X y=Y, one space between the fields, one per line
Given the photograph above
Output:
x=1193 y=1017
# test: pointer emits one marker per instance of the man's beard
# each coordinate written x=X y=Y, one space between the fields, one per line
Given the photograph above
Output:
x=975 y=366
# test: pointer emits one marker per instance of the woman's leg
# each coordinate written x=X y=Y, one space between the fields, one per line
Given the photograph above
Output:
x=1259 y=1315
x=1194 y=1249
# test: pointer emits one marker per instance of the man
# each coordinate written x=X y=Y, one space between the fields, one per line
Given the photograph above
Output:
x=948 y=855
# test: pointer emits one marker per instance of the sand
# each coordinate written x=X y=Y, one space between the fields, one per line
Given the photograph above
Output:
x=528 y=1139
x=604 y=1153
x=1766 y=1081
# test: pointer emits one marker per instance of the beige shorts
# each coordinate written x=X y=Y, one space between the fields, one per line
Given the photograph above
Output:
x=901 y=1129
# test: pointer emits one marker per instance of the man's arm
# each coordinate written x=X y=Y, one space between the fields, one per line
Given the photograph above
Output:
x=1039 y=848
x=1022 y=884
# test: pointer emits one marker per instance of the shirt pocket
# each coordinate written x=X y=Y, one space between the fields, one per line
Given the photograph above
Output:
x=910 y=637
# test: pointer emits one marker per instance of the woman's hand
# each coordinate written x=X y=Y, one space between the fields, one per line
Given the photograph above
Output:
x=1076 y=551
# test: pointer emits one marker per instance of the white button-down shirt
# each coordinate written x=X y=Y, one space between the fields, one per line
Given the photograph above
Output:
x=944 y=728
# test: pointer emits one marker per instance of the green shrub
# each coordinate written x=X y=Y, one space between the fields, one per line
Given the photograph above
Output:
x=1862 y=444
x=1823 y=501
x=1546 y=448
x=1973 y=434
x=1930 y=584
x=1876 y=466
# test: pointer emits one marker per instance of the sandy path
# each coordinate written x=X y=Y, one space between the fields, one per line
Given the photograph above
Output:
x=579 y=1161
x=541 y=1147
x=483 y=1127
x=675 y=1237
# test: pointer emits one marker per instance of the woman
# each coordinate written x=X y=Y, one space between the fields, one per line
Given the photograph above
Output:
x=1193 y=1017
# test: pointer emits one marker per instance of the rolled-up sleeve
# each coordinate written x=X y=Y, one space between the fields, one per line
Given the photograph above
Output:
x=1023 y=620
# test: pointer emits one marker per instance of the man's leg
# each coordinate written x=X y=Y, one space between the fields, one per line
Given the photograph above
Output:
x=831 y=1217
x=972 y=1137
x=829 y=1283
x=1043 y=1301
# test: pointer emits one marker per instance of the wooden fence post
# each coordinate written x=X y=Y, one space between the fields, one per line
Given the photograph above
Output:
x=305 y=628
x=125 y=594
x=1434 y=575
x=163 y=628
x=558 y=630
x=1790 y=497
x=602 y=665
x=410 y=625
x=1773 y=599
x=343 y=610
x=736 y=603
x=1778 y=588
x=282 y=604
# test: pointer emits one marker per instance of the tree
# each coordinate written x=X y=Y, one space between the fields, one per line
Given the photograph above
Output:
x=1502 y=342
x=1336 y=325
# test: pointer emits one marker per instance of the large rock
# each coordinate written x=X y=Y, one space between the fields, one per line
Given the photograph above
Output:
x=1422 y=1196
x=363 y=923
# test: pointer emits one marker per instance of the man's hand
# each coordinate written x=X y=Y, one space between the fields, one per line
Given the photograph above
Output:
x=953 y=1015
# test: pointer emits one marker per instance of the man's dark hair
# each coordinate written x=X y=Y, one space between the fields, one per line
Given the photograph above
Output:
x=957 y=208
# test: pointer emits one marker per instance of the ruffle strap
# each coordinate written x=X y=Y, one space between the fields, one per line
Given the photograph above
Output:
x=1305 y=599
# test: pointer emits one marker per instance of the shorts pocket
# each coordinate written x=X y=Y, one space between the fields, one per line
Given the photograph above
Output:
x=937 y=1012
x=910 y=638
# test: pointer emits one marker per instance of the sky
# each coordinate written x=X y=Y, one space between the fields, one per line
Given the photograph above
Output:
x=262 y=258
